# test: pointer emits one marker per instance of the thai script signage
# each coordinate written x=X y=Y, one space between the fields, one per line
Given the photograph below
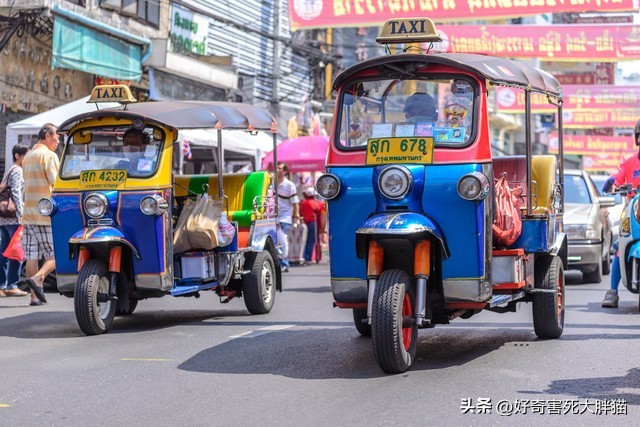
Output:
x=188 y=31
x=359 y=13
x=593 y=145
x=568 y=43
x=576 y=97
x=602 y=162
x=615 y=118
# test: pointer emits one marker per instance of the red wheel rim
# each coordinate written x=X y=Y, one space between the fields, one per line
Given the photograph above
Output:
x=407 y=312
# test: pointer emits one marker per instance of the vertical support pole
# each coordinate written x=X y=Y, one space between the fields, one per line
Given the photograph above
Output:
x=421 y=270
x=527 y=143
x=220 y=164
x=561 y=154
x=375 y=264
x=328 y=71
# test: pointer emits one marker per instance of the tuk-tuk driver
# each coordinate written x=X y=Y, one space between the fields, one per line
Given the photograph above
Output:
x=420 y=107
x=134 y=146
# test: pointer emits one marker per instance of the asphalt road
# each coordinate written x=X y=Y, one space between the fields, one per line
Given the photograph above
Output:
x=185 y=361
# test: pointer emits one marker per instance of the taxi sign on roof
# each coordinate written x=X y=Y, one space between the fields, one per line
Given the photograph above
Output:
x=410 y=30
x=112 y=93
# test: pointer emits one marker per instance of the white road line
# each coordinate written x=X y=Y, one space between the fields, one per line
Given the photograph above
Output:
x=261 y=331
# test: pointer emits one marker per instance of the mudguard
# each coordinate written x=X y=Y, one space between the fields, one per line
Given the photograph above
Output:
x=102 y=234
x=634 y=251
x=399 y=224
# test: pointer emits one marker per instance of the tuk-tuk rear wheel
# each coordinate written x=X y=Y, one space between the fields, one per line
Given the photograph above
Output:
x=94 y=317
x=393 y=329
x=548 y=307
x=259 y=286
x=359 y=316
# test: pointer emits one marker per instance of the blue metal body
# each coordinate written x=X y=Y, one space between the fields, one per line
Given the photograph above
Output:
x=433 y=202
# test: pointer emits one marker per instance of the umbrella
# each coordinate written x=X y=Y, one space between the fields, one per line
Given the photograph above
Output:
x=302 y=154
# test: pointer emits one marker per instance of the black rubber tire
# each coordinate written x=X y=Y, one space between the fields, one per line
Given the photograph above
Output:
x=259 y=286
x=359 y=314
x=606 y=262
x=548 y=308
x=594 y=276
x=93 y=317
x=394 y=346
x=133 y=303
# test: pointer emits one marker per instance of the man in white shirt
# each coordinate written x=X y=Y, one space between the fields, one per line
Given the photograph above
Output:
x=288 y=208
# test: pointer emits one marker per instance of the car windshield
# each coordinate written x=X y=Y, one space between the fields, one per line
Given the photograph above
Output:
x=575 y=190
x=441 y=108
x=109 y=148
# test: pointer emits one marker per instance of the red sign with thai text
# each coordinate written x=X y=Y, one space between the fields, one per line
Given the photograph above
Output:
x=593 y=145
x=615 y=118
x=575 y=97
x=566 y=43
x=603 y=162
x=361 y=13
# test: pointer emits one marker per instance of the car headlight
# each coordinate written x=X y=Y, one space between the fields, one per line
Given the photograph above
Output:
x=96 y=205
x=580 y=231
x=154 y=205
x=395 y=181
x=473 y=186
x=46 y=206
x=590 y=232
x=328 y=186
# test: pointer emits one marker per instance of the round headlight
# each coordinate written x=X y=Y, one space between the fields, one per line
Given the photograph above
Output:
x=45 y=206
x=474 y=186
x=152 y=205
x=395 y=182
x=96 y=205
x=328 y=186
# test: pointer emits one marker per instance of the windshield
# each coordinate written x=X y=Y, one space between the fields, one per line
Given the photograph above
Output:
x=123 y=148
x=442 y=108
x=575 y=190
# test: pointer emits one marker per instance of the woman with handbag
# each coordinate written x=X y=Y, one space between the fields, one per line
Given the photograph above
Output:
x=11 y=205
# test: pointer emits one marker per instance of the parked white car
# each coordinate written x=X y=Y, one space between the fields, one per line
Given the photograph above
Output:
x=587 y=224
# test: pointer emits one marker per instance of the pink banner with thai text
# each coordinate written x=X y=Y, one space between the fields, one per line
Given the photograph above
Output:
x=594 y=145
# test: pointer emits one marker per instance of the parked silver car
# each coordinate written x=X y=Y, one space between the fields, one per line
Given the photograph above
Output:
x=588 y=227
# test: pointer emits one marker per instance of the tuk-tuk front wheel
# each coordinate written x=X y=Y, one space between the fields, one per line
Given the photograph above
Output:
x=548 y=307
x=93 y=312
x=393 y=329
x=259 y=286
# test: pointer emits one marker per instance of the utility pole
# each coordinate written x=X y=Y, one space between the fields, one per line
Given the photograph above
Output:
x=276 y=58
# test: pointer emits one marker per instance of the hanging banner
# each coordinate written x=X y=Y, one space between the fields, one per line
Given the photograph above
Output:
x=624 y=118
x=306 y=14
x=593 y=145
x=576 y=98
x=566 y=43
x=603 y=162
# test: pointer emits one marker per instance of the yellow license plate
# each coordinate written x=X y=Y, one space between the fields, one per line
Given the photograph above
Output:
x=103 y=179
x=412 y=149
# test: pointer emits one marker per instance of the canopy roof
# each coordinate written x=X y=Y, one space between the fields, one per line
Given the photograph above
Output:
x=188 y=115
x=500 y=71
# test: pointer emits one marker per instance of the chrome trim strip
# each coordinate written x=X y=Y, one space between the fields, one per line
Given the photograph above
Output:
x=105 y=239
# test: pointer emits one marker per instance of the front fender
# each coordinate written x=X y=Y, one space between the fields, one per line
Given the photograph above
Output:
x=396 y=225
x=634 y=251
x=102 y=234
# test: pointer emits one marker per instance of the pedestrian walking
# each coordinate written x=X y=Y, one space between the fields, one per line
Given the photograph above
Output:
x=14 y=180
x=313 y=212
x=40 y=168
x=288 y=208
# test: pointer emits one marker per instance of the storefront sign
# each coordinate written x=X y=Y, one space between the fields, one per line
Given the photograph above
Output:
x=576 y=98
x=602 y=162
x=188 y=31
x=570 y=43
x=615 y=118
x=360 y=13
x=593 y=145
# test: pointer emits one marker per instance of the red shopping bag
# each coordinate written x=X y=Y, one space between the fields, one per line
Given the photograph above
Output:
x=14 y=249
x=507 y=225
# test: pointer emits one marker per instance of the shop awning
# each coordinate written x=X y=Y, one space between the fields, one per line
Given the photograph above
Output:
x=83 y=44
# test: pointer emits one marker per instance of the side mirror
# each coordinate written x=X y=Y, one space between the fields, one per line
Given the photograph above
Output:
x=607 y=201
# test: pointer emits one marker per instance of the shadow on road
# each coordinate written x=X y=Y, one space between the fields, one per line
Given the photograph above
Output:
x=602 y=388
x=341 y=353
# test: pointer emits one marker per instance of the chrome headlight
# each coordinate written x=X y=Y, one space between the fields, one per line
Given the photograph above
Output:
x=154 y=205
x=96 y=205
x=328 y=186
x=395 y=182
x=46 y=206
x=473 y=186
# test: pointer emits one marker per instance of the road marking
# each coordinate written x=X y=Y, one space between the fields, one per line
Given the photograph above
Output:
x=133 y=359
x=261 y=331
x=4 y=405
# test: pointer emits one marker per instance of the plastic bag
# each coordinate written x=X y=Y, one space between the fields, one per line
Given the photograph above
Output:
x=507 y=225
x=14 y=248
x=202 y=224
x=180 y=237
x=226 y=231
